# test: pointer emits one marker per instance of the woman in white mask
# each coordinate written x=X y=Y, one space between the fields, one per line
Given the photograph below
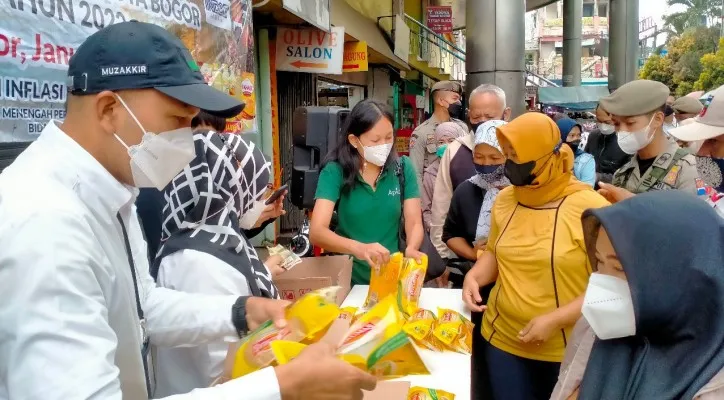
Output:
x=203 y=247
x=653 y=313
x=360 y=179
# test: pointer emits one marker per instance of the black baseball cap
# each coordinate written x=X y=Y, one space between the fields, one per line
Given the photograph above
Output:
x=139 y=55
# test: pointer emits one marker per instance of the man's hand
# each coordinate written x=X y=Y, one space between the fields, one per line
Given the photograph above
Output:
x=260 y=309
x=539 y=330
x=274 y=265
x=318 y=374
x=612 y=193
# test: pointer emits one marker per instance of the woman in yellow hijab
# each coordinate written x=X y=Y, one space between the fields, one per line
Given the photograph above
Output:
x=537 y=257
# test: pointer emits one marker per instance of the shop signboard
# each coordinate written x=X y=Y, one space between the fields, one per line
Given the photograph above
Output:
x=37 y=40
x=355 y=57
x=440 y=19
x=310 y=50
x=316 y=12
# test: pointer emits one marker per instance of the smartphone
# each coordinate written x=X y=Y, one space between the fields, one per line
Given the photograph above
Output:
x=277 y=194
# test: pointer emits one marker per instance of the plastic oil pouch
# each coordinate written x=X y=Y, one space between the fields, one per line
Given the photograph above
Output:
x=454 y=330
x=410 y=285
x=377 y=343
x=348 y=313
x=421 y=393
x=383 y=280
x=308 y=316
x=420 y=328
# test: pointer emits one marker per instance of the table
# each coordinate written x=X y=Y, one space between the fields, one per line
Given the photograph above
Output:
x=448 y=371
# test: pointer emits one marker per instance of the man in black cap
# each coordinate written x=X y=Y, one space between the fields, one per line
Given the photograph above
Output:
x=79 y=306
x=446 y=96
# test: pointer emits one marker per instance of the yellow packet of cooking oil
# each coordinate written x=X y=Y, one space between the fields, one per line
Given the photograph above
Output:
x=377 y=344
x=420 y=327
x=410 y=285
x=348 y=313
x=454 y=330
x=383 y=280
x=285 y=351
x=421 y=393
x=308 y=316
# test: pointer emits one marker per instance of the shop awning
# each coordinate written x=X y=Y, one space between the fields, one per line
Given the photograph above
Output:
x=572 y=97
x=365 y=29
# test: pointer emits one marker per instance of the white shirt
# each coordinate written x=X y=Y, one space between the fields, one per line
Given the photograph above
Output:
x=181 y=369
x=69 y=328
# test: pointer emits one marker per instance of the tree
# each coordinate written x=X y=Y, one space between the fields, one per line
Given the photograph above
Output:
x=712 y=71
x=681 y=67
x=697 y=13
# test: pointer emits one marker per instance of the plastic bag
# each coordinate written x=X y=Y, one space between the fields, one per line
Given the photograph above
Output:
x=383 y=280
x=454 y=331
x=410 y=285
x=311 y=314
x=421 y=393
x=420 y=328
x=377 y=344
x=348 y=313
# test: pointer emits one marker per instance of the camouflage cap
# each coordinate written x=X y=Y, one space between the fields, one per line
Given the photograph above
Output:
x=636 y=98
x=687 y=105
x=448 y=86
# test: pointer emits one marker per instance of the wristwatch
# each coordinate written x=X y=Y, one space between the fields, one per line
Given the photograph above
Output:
x=238 y=316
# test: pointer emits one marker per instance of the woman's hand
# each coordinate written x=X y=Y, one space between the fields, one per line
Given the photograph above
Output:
x=539 y=329
x=374 y=253
x=471 y=292
x=414 y=253
x=274 y=265
x=272 y=211
x=479 y=246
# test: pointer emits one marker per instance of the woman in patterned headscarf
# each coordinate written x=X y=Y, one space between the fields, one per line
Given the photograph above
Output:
x=203 y=248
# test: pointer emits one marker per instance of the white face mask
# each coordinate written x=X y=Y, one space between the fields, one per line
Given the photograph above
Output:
x=377 y=155
x=631 y=142
x=249 y=218
x=160 y=156
x=606 y=129
x=608 y=308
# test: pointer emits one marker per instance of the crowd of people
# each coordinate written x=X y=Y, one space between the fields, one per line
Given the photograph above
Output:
x=610 y=252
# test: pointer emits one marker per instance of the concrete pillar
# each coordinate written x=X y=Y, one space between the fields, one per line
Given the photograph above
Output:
x=495 y=48
x=623 y=31
x=572 y=30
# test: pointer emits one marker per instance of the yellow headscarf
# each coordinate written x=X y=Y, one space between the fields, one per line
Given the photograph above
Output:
x=535 y=137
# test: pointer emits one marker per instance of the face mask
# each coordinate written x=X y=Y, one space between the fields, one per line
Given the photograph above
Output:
x=606 y=129
x=488 y=169
x=441 y=150
x=519 y=174
x=455 y=110
x=377 y=155
x=608 y=308
x=160 y=156
x=249 y=218
x=631 y=142
x=474 y=126
x=574 y=145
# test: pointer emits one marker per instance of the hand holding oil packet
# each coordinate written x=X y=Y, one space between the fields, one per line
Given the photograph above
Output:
x=401 y=277
x=374 y=343
x=308 y=316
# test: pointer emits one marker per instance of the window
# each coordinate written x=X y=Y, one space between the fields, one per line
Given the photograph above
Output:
x=588 y=10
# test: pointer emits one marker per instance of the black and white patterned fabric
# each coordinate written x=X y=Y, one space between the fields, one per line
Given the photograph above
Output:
x=206 y=200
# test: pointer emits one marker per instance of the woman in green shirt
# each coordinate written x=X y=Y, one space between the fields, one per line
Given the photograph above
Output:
x=360 y=179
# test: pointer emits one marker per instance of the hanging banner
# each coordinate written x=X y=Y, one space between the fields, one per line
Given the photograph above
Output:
x=440 y=19
x=316 y=12
x=310 y=50
x=402 y=38
x=37 y=40
x=355 y=57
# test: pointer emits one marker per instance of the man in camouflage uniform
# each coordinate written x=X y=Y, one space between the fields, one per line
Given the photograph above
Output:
x=446 y=96
x=637 y=109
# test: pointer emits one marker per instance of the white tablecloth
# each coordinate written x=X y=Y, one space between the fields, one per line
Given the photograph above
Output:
x=448 y=371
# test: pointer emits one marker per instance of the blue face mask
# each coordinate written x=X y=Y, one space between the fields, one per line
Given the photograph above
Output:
x=441 y=150
x=487 y=169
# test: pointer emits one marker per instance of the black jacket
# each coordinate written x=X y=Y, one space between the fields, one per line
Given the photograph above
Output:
x=605 y=150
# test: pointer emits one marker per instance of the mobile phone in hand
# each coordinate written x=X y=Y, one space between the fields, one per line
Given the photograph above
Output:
x=277 y=194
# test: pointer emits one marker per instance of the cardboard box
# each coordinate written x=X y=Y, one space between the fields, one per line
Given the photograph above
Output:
x=316 y=273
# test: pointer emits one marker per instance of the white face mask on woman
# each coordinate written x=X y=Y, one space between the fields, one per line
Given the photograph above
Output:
x=378 y=154
x=160 y=156
x=608 y=308
x=631 y=142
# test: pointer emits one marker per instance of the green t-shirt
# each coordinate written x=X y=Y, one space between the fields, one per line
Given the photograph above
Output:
x=367 y=215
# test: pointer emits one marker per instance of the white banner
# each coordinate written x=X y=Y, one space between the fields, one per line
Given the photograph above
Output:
x=310 y=50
